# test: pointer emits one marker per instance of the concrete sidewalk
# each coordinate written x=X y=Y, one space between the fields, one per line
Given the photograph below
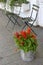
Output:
x=8 y=53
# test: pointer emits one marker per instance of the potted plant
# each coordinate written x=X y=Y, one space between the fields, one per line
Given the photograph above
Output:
x=14 y=2
x=27 y=43
x=2 y=4
x=16 y=5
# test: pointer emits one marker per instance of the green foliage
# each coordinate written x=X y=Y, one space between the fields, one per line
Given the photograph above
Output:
x=30 y=44
x=2 y=0
x=13 y=2
x=26 y=40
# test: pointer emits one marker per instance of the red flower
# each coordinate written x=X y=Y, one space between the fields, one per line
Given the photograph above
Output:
x=17 y=34
x=23 y=33
x=28 y=31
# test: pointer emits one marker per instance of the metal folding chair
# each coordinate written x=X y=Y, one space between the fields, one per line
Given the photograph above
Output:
x=31 y=20
x=34 y=13
x=15 y=16
x=10 y=16
x=9 y=13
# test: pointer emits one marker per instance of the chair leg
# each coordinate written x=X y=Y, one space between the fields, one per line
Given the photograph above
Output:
x=7 y=23
x=30 y=27
x=32 y=23
x=16 y=20
x=10 y=20
x=25 y=25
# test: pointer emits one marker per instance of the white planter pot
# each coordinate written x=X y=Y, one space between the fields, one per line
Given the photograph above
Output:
x=28 y=56
x=25 y=7
x=2 y=5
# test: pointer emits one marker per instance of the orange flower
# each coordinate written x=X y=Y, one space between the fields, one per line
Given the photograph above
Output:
x=23 y=33
x=34 y=36
x=28 y=31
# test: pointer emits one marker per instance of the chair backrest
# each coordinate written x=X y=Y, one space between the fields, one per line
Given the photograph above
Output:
x=34 y=12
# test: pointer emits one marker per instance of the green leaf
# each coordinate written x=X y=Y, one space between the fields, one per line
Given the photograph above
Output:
x=13 y=2
x=2 y=0
x=32 y=40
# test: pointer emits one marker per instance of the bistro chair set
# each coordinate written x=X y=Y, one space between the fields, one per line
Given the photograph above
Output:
x=28 y=20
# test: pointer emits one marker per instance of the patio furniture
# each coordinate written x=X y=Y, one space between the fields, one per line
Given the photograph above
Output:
x=23 y=15
x=12 y=18
x=16 y=11
x=30 y=20
x=34 y=13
